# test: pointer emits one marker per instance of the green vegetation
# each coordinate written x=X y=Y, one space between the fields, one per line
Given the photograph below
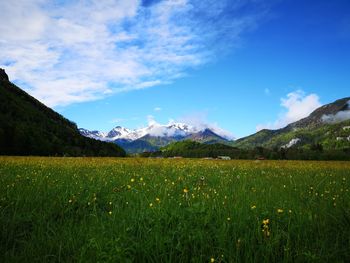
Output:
x=28 y=127
x=198 y=150
x=191 y=149
x=165 y=210
x=137 y=146
x=145 y=144
x=330 y=136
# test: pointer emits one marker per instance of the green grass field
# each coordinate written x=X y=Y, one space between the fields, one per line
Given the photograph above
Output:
x=162 y=210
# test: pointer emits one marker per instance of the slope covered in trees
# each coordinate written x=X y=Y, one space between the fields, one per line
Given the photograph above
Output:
x=28 y=127
x=191 y=149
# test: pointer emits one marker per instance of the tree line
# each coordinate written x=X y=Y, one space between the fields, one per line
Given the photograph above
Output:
x=191 y=149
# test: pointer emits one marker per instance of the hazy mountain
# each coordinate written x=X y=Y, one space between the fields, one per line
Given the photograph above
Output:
x=328 y=126
x=28 y=127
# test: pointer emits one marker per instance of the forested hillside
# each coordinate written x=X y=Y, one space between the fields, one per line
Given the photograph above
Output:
x=28 y=127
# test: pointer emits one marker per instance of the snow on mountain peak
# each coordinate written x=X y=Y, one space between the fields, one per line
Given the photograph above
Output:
x=118 y=132
x=92 y=134
x=172 y=129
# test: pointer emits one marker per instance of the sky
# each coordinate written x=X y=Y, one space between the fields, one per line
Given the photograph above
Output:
x=234 y=65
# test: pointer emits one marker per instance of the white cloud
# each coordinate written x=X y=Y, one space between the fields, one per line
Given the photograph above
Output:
x=64 y=52
x=199 y=122
x=157 y=109
x=267 y=91
x=297 y=105
x=338 y=117
x=151 y=120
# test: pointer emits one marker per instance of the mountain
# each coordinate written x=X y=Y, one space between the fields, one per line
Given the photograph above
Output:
x=28 y=127
x=97 y=135
x=328 y=126
x=206 y=136
x=154 y=136
x=136 y=146
x=156 y=130
x=119 y=132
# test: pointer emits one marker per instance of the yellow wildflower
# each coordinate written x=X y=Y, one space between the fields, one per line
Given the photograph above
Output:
x=253 y=207
x=212 y=260
x=265 y=227
x=280 y=211
x=185 y=190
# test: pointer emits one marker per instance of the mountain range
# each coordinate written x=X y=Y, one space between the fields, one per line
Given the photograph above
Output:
x=155 y=136
x=327 y=127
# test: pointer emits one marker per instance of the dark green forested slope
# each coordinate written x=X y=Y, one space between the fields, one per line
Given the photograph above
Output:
x=193 y=149
x=28 y=127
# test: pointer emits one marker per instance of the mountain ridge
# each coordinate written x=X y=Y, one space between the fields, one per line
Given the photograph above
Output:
x=173 y=129
x=323 y=126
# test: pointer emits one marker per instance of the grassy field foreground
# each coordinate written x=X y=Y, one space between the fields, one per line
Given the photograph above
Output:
x=162 y=210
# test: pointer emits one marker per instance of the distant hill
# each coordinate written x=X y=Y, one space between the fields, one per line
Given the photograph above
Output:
x=28 y=127
x=136 y=146
x=193 y=149
x=327 y=127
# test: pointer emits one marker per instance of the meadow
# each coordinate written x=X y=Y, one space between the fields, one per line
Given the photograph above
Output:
x=173 y=210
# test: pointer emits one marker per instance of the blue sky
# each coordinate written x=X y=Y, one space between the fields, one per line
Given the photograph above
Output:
x=238 y=66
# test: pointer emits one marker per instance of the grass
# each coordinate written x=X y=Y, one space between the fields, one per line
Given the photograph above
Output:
x=160 y=210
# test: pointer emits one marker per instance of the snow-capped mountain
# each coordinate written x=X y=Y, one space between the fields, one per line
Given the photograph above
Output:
x=117 y=133
x=156 y=135
x=155 y=129
x=93 y=134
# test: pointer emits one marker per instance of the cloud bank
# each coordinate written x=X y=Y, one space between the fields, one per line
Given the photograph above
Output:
x=189 y=124
x=199 y=122
x=338 y=117
x=297 y=105
x=65 y=52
